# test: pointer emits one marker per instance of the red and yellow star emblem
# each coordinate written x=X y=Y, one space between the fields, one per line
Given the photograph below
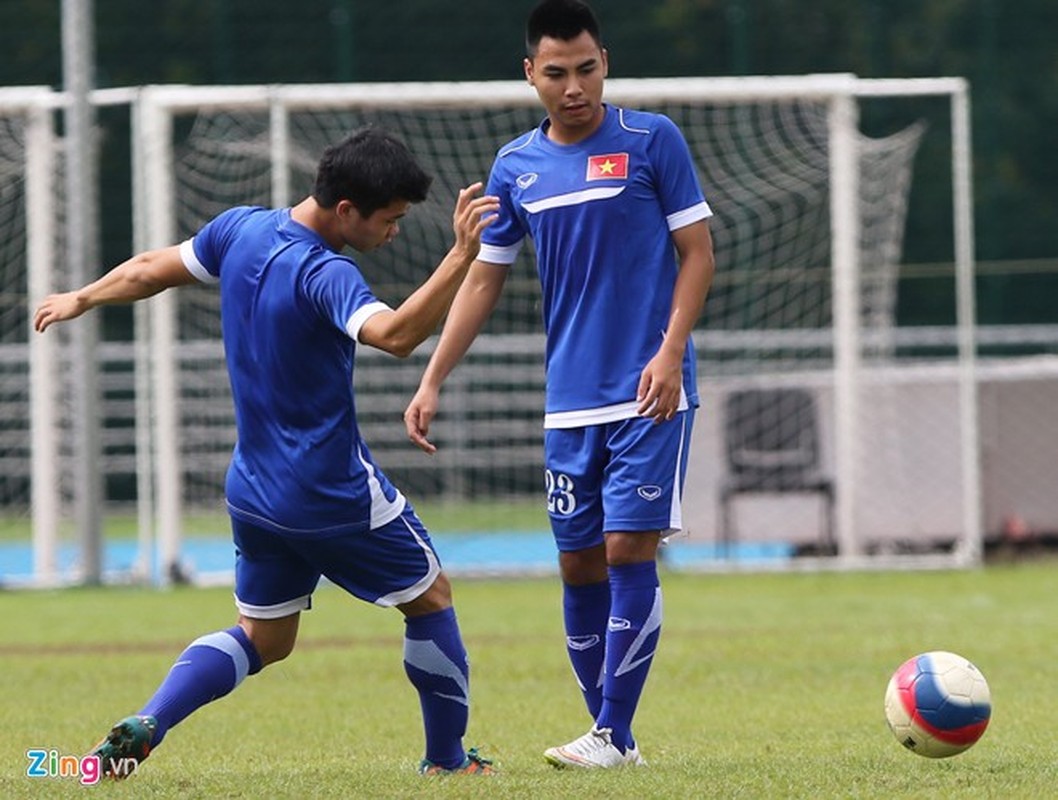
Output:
x=605 y=167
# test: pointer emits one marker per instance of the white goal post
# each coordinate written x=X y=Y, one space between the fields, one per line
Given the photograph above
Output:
x=38 y=476
x=809 y=209
x=28 y=181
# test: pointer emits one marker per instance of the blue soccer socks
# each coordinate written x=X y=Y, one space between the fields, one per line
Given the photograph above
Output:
x=586 y=610
x=435 y=661
x=631 y=637
x=209 y=668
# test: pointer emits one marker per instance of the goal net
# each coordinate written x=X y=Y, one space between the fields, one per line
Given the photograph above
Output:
x=876 y=457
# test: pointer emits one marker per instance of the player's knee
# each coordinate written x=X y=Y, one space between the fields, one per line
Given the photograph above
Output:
x=631 y=548
x=437 y=598
x=274 y=640
x=581 y=567
x=272 y=652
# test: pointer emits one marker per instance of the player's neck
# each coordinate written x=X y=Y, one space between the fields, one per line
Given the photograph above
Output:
x=309 y=213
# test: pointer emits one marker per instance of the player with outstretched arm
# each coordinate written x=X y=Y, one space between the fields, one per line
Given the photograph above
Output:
x=611 y=199
x=305 y=497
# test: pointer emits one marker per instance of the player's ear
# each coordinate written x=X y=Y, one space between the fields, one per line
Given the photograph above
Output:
x=527 y=65
x=605 y=63
x=344 y=209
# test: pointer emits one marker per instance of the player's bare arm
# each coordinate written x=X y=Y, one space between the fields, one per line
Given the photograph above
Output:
x=474 y=302
x=142 y=276
x=662 y=378
x=400 y=331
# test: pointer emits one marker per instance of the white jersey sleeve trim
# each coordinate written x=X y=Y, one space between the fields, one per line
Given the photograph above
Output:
x=360 y=316
x=681 y=219
x=583 y=417
x=494 y=254
x=194 y=266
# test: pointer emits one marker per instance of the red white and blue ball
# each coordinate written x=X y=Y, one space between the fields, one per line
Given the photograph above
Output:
x=938 y=704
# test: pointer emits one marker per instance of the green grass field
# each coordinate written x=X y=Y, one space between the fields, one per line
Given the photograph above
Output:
x=766 y=686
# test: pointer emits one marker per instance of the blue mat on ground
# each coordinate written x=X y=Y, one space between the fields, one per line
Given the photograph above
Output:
x=492 y=552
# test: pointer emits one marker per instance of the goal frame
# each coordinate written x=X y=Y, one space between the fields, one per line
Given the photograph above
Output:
x=160 y=485
x=842 y=92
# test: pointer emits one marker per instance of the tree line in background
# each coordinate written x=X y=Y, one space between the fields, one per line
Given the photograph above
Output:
x=1008 y=55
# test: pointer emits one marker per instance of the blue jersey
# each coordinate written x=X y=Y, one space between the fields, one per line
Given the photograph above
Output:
x=600 y=213
x=291 y=309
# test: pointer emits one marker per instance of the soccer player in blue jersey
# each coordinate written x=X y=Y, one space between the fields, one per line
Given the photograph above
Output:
x=612 y=203
x=305 y=497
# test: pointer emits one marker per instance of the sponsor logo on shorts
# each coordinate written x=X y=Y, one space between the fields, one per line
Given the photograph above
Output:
x=649 y=492
x=619 y=624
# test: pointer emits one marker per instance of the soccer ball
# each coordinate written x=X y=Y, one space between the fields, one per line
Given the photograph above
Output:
x=937 y=704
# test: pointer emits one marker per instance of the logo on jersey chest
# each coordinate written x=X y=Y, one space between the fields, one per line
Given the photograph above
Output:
x=607 y=167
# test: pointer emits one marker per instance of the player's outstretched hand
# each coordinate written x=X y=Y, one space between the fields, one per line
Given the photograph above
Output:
x=56 y=308
x=471 y=216
x=418 y=416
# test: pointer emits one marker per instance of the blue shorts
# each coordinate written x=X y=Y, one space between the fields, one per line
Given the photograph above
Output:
x=275 y=575
x=624 y=476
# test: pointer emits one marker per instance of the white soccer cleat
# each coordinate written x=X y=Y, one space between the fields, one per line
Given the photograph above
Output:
x=593 y=750
x=633 y=758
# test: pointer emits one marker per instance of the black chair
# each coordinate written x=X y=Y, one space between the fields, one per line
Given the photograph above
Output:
x=772 y=444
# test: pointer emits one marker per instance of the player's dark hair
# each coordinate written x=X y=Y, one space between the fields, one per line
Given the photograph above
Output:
x=371 y=169
x=560 y=19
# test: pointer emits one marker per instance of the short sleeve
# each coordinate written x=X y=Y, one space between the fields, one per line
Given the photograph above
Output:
x=204 y=253
x=679 y=190
x=502 y=240
x=338 y=291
